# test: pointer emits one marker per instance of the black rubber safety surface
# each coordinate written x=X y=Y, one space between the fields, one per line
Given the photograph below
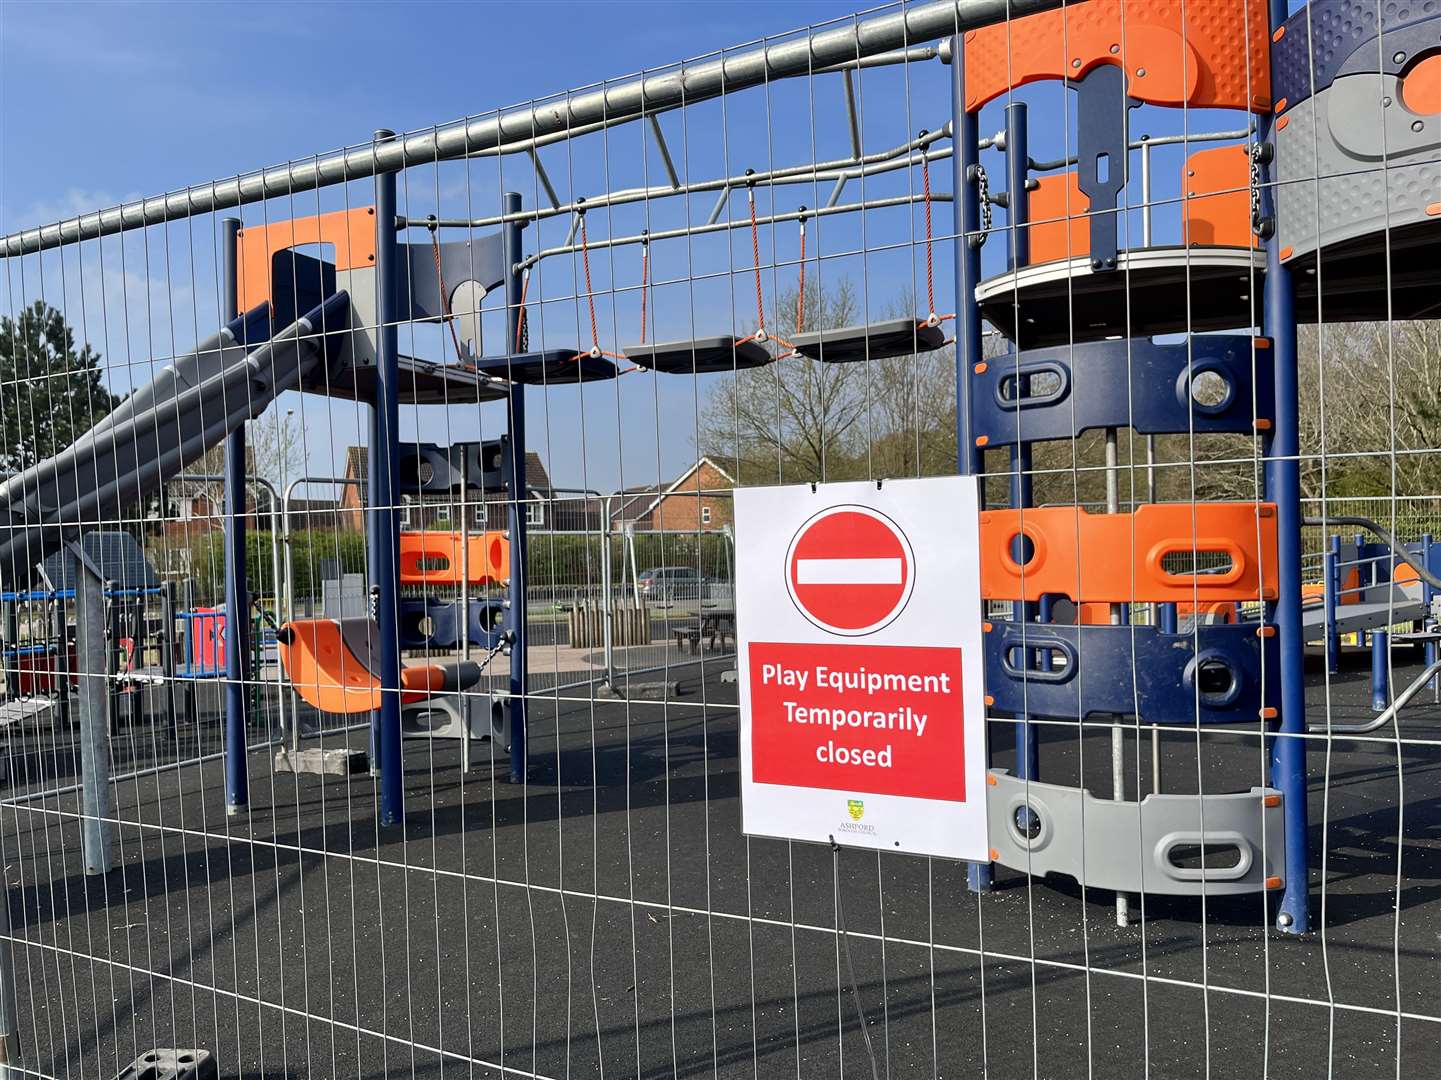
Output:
x=610 y=917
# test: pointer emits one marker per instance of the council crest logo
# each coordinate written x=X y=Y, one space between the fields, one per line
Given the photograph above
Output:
x=857 y=808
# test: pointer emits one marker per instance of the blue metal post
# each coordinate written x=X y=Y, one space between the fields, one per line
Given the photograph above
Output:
x=384 y=450
x=237 y=590
x=1283 y=448
x=966 y=223
x=1380 y=683
x=1331 y=598
x=1169 y=618
x=1018 y=171
x=517 y=492
x=1428 y=593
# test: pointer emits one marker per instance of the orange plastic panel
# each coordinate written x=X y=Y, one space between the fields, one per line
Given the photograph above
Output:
x=1176 y=52
x=423 y=679
x=324 y=672
x=1060 y=228
x=1421 y=86
x=1217 y=205
x=435 y=558
x=352 y=232
x=1117 y=558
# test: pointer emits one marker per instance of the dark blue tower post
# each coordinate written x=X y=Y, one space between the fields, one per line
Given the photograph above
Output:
x=1018 y=205
x=384 y=538
x=1332 y=598
x=237 y=589
x=966 y=224
x=1283 y=469
x=1428 y=594
x=515 y=483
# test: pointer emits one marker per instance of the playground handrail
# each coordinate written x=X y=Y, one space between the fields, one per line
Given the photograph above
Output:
x=1398 y=548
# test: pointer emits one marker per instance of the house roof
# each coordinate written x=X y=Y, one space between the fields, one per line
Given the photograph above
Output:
x=357 y=460
x=645 y=499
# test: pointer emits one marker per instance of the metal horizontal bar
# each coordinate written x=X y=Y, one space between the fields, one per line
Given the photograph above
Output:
x=606 y=106
x=722 y=226
x=880 y=161
x=1136 y=144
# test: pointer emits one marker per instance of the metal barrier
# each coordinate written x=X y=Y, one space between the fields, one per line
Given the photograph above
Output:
x=500 y=380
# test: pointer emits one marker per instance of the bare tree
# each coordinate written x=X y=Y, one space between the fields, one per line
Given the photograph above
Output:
x=795 y=420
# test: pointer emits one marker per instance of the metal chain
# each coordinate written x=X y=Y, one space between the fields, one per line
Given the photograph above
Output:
x=983 y=184
x=1260 y=154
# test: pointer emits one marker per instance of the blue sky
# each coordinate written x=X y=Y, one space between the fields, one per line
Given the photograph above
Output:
x=104 y=102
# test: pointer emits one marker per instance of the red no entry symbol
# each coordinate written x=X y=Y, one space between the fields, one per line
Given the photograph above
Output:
x=850 y=570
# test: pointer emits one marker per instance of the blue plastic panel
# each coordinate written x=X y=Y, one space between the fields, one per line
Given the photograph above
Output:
x=1073 y=671
x=1136 y=383
x=1339 y=30
x=425 y=468
x=426 y=623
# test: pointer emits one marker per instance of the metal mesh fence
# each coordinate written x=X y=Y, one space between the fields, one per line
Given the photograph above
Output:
x=368 y=553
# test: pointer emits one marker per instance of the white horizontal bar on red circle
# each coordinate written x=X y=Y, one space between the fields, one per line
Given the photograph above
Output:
x=848 y=571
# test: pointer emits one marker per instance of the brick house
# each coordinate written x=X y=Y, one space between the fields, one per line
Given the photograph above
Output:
x=699 y=500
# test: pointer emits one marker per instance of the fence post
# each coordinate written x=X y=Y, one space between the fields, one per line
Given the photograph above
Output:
x=1330 y=598
x=516 y=482
x=606 y=589
x=93 y=662
x=9 y=1021
x=966 y=223
x=384 y=449
x=237 y=589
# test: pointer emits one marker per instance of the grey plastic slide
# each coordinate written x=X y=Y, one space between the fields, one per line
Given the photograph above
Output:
x=157 y=432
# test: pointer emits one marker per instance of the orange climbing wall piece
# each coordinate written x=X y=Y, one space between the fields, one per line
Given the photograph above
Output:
x=1216 y=208
x=352 y=232
x=1120 y=558
x=1176 y=52
x=1059 y=229
x=436 y=558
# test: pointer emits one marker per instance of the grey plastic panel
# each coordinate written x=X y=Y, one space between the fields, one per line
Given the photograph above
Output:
x=1368 y=168
x=445 y=717
x=1129 y=847
x=874 y=341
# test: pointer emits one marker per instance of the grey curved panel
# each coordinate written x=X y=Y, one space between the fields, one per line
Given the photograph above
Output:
x=1348 y=168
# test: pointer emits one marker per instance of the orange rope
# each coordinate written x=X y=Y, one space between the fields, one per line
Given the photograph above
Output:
x=595 y=349
x=589 y=294
x=930 y=259
x=520 y=322
x=446 y=316
x=801 y=297
x=756 y=251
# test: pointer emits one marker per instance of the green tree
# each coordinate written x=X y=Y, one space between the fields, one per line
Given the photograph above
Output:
x=51 y=391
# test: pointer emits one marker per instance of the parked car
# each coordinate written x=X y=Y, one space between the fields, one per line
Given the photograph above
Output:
x=667 y=584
